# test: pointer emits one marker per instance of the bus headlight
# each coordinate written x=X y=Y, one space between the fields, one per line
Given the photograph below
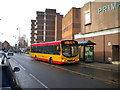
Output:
x=63 y=60
x=77 y=60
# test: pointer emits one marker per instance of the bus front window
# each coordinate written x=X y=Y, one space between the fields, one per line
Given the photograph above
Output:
x=70 y=50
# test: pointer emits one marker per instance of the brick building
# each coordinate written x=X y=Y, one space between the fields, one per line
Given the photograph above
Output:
x=98 y=22
x=45 y=26
x=71 y=23
x=33 y=33
x=58 y=27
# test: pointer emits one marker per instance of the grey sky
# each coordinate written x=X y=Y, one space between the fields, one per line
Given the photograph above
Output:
x=18 y=14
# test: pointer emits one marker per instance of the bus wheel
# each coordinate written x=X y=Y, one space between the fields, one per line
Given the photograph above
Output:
x=35 y=58
x=51 y=61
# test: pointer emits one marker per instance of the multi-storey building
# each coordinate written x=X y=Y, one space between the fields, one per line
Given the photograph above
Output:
x=99 y=22
x=71 y=23
x=40 y=26
x=33 y=33
x=46 y=26
x=58 y=27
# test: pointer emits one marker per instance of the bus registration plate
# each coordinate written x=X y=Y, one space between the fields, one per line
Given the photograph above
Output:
x=71 y=62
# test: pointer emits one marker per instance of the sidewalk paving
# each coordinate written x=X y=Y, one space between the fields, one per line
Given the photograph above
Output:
x=113 y=66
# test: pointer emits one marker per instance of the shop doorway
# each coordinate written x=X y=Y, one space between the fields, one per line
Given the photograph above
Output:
x=116 y=52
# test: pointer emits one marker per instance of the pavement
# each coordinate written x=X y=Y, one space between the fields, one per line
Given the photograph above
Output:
x=115 y=66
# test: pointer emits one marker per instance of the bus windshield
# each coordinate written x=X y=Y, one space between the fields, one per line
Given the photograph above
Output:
x=70 y=50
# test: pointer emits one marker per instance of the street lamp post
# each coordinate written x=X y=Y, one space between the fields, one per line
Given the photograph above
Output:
x=15 y=43
x=19 y=38
x=15 y=39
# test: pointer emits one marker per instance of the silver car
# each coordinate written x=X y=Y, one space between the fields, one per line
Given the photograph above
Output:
x=8 y=78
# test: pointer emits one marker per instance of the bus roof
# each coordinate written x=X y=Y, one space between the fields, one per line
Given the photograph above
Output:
x=49 y=43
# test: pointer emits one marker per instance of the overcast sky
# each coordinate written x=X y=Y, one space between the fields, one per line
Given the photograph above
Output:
x=18 y=14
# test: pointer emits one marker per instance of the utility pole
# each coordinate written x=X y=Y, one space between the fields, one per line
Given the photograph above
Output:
x=15 y=39
x=19 y=37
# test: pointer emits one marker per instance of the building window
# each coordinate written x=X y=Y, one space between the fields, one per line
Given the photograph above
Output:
x=87 y=18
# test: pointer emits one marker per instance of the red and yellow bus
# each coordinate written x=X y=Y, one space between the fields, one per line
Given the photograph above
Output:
x=59 y=52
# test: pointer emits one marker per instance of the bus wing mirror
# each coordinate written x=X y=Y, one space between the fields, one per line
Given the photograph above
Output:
x=16 y=69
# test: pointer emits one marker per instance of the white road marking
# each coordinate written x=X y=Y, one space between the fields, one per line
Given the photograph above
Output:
x=22 y=67
x=15 y=61
x=38 y=80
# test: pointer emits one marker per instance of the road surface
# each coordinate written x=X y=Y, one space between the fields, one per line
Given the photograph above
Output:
x=38 y=74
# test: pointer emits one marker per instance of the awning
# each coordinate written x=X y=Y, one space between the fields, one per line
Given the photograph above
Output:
x=87 y=42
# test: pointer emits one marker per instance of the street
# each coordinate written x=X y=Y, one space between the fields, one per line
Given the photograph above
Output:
x=38 y=74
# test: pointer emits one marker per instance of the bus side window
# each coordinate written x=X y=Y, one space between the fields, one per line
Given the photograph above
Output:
x=31 y=49
x=42 y=49
x=51 y=51
x=38 y=49
x=34 y=49
x=47 y=49
x=58 y=48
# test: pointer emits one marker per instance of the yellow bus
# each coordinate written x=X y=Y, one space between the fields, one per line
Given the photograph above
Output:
x=59 y=52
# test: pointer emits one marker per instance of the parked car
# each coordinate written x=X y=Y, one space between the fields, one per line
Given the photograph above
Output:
x=10 y=52
x=8 y=78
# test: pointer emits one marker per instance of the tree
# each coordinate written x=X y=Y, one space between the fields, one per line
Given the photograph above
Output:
x=23 y=42
x=5 y=45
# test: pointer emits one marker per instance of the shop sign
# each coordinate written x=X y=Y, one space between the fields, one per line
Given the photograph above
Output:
x=109 y=7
